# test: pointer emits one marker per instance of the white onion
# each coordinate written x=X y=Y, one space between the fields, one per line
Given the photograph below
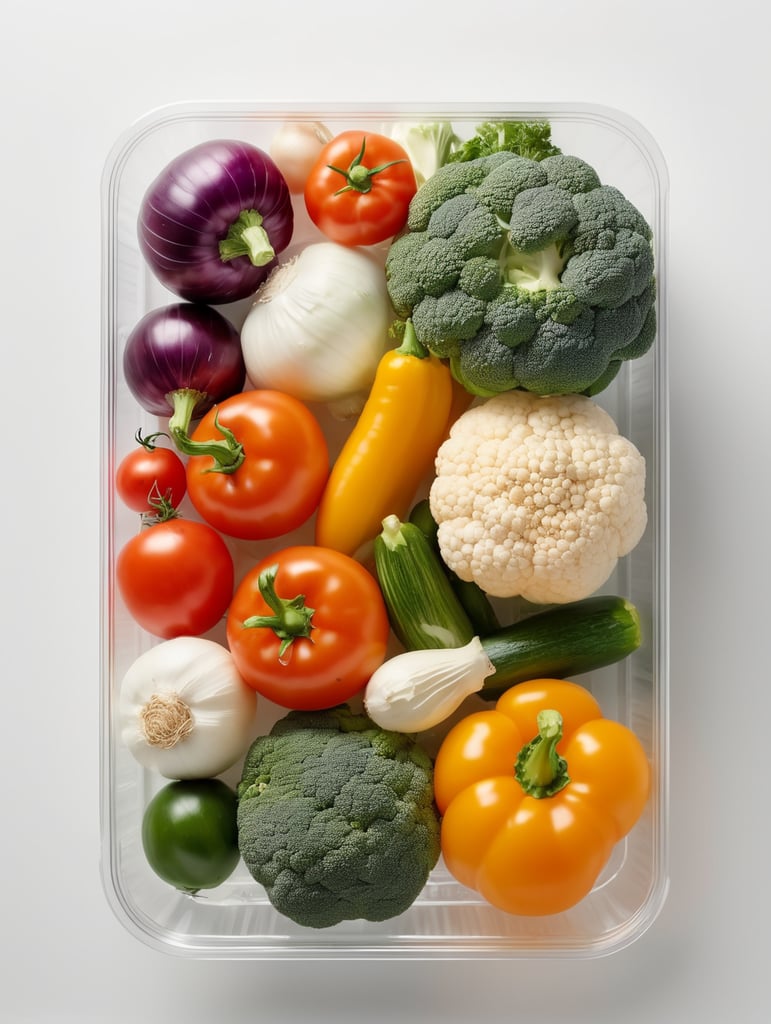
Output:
x=295 y=148
x=319 y=326
x=184 y=710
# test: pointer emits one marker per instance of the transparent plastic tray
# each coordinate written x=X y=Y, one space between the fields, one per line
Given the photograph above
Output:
x=447 y=921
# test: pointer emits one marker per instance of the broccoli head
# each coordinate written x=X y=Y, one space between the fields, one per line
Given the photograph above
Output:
x=526 y=273
x=336 y=818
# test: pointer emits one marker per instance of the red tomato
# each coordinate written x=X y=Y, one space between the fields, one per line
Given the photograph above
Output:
x=359 y=190
x=309 y=634
x=176 y=578
x=285 y=466
x=148 y=474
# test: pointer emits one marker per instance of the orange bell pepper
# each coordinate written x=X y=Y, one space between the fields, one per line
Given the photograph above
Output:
x=390 y=450
x=535 y=794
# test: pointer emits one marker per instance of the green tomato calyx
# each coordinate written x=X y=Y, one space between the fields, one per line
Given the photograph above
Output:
x=291 y=618
x=358 y=177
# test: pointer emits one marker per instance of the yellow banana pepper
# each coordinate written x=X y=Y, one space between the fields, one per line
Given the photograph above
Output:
x=390 y=450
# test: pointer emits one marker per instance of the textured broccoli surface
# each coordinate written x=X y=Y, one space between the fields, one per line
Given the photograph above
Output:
x=526 y=273
x=336 y=818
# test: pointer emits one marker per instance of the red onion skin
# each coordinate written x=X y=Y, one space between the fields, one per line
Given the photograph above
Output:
x=183 y=346
x=189 y=208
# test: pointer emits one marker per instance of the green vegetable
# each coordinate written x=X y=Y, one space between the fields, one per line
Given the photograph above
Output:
x=562 y=642
x=526 y=273
x=189 y=834
x=472 y=598
x=423 y=608
x=419 y=689
x=336 y=818
x=531 y=139
x=428 y=146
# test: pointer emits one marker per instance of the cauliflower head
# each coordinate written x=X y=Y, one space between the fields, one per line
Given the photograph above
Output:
x=537 y=497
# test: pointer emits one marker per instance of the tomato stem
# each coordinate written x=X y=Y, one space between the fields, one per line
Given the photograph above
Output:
x=227 y=452
x=359 y=177
x=148 y=441
x=291 y=616
x=247 y=237
x=163 y=510
x=539 y=769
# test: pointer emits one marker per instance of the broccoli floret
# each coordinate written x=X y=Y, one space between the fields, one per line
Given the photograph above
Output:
x=485 y=368
x=336 y=818
x=570 y=173
x=446 y=321
x=537 y=256
x=506 y=181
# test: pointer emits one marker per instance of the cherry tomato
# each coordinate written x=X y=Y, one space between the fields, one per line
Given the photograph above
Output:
x=307 y=627
x=359 y=190
x=285 y=465
x=190 y=834
x=176 y=577
x=149 y=473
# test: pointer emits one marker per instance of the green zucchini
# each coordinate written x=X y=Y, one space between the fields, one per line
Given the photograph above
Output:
x=564 y=641
x=474 y=600
x=423 y=609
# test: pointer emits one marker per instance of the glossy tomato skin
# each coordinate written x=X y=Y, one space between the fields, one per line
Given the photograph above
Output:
x=190 y=834
x=280 y=482
x=350 y=629
x=147 y=474
x=176 y=578
x=354 y=217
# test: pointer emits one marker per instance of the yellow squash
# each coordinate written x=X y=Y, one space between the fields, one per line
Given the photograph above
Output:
x=391 y=449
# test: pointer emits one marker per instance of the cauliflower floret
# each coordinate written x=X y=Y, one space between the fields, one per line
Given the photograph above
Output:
x=537 y=496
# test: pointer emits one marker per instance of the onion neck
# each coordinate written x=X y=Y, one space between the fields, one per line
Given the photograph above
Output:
x=247 y=237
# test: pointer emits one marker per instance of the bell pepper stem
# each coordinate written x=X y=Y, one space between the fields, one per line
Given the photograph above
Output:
x=539 y=769
x=291 y=616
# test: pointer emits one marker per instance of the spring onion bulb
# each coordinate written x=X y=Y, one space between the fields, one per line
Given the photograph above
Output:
x=417 y=690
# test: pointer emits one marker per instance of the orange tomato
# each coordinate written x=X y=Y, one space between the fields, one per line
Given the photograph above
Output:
x=526 y=849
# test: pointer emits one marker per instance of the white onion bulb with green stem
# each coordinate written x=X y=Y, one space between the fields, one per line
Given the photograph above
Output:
x=417 y=690
x=318 y=327
x=183 y=709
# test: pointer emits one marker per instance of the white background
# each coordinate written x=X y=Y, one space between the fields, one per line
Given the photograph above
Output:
x=73 y=77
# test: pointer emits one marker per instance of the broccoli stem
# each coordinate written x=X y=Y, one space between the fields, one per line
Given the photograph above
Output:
x=291 y=616
x=533 y=271
x=539 y=769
